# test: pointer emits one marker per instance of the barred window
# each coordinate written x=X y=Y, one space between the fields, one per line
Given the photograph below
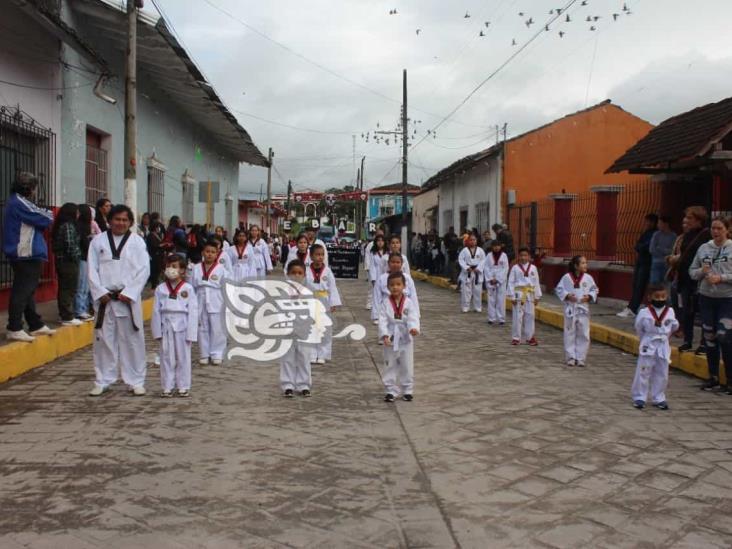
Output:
x=96 y=169
x=155 y=190
x=481 y=216
x=189 y=193
x=447 y=220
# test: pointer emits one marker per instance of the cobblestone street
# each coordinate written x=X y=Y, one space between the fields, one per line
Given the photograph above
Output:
x=502 y=447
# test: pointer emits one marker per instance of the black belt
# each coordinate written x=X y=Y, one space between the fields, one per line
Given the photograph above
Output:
x=114 y=296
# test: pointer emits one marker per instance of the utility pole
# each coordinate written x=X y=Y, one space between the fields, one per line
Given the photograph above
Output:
x=354 y=159
x=505 y=131
x=269 y=187
x=405 y=150
x=130 y=189
x=361 y=203
x=289 y=194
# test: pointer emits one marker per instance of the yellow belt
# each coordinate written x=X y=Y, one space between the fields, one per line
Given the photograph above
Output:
x=525 y=292
x=320 y=293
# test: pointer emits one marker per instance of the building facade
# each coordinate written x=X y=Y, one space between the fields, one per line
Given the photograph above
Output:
x=386 y=201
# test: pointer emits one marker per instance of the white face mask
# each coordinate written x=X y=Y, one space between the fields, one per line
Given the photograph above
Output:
x=172 y=273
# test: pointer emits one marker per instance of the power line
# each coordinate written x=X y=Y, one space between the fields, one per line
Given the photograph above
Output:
x=29 y=87
x=290 y=126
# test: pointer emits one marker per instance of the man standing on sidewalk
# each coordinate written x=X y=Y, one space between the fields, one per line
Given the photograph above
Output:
x=642 y=268
x=26 y=249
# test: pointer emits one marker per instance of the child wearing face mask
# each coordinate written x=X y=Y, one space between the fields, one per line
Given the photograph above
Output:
x=654 y=326
x=175 y=322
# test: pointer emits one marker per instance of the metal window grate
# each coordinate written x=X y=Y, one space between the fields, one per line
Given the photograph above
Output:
x=188 y=196
x=155 y=190
x=96 y=173
x=25 y=146
x=481 y=216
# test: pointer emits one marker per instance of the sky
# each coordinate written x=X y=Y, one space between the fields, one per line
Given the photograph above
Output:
x=334 y=69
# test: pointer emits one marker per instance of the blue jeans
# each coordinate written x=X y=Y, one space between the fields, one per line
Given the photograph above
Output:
x=82 y=299
x=716 y=314
x=658 y=272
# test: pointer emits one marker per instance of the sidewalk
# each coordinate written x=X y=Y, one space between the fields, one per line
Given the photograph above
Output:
x=606 y=327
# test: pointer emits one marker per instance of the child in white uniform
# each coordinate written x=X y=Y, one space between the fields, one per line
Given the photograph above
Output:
x=654 y=326
x=295 y=365
x=395 y=247
x=118 y=266
x=321 y=281
x=261 y=252
x=300 y=252
x=495 y=273
x=525 y=292
x=175 y=322
x=377 y=267
x=395 y=266
x=398 y=324
x=221 y=257
x=577 y=290
x=471 y=260
x=242 y=258
x=206 y=280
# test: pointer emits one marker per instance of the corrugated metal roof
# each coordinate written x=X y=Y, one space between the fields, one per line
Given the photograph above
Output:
x=160 y=55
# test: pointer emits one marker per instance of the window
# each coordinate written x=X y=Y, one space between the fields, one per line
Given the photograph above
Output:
x=463 y=218
x=481 y=216
x=96 y=169
x=386 y=207
x=189 y=190
x=447 y=220
x=155 y=185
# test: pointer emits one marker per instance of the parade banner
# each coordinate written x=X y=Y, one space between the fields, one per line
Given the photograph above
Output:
x=344 y=262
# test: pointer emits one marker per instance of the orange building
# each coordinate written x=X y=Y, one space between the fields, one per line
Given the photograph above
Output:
x=570 y=154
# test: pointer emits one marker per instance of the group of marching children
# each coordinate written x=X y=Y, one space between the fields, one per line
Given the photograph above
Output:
x=189 y=305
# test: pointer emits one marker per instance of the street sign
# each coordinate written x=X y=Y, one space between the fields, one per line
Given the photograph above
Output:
x=344 y=262
x=350 y=227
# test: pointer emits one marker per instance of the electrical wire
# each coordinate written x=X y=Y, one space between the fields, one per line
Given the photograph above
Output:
x=290 y=126
x=29 y=87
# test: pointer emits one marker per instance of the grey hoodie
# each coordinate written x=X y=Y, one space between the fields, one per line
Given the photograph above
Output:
x=720 y=259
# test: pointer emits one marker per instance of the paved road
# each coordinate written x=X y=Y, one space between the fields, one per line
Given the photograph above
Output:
x=502 y=447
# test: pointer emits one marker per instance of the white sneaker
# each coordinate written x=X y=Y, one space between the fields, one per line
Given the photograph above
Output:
x=216 y=361
x=43 y=331
x=72 y=322
x=138 y=391
x=203 y=361
x=98 y=390
x=20 y=335
x=376 y=321
x=85 y=317
x=156 y=360
x=626 y=313
x=320 y=361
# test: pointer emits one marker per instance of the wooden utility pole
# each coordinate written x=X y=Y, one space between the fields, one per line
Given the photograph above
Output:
x=405 y=150
x=361 y=203
x=269 y=188
x=130 y=189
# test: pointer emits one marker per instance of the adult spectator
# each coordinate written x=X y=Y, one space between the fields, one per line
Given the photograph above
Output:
x=153 y=241
x=712 y=267
x=101 y=212
x=143 y=229
x=67 y=254
x=642 y=267
x=694 y=235
x=221 y=233
x=25 y=248
x=175 y=238
x=451 y=243
x=506 y=239
x=487 y=240
x=662 y=244
x=82 y=301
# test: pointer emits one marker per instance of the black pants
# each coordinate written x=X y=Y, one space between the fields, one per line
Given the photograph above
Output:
x=67 y=274
x=689 y=299
x=26 y=275
x=716 y=315
x=641 y=275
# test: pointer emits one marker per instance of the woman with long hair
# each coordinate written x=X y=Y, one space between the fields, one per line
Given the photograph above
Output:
x=102 y=211
x=67 y=254
x=82 y=300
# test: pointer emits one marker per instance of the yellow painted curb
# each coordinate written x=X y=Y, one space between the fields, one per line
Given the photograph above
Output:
x=627 y=342
x=17 y=358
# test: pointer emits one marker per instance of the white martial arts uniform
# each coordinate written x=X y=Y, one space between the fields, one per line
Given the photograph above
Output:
x=324 y=288
x=398 y=374
x=495 y=273
x=211 y=329
x=367 y=267
x=471 y=281
x=175 y=320
x=385 y=261
x=118 y=346
x=243 y=262
x=377 y=267
x=654 y=353
x=524 y=289
x=263 y=259
x=292 y=255
x=295 y=370
x=382 y=290
x=576 y=315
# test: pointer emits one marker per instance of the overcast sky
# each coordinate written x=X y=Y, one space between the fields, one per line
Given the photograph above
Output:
x=666 y=57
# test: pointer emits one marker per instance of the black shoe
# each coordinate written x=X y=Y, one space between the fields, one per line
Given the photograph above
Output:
x=710 y=384
x=661 y=405
x=701 y=350
x=389 y=397
x=639 y=404
x=305 y=393
x=727 y=389
x=685 y=347
x=289 y=393
x=408 y=398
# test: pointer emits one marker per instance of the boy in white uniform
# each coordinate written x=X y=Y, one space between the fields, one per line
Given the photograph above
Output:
x=398 y=324
x=242 y=258
x=382 y=289
x=377 y=267
x=206 y=280
x=654 y=326
x=175 y=322
x=321 y=281
x=295 y=372
x=577 y=289
x=261 y=252
x=495 y=273
x=118 y=267
x=525 y=292
x=471 y=260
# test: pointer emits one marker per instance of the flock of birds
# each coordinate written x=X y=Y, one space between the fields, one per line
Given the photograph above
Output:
x=591 y=19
